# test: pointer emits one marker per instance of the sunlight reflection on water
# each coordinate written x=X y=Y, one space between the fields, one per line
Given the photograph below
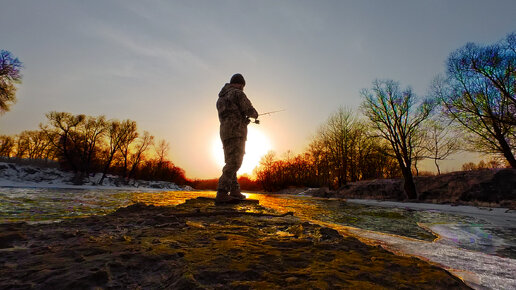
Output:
x=168 y=198
x=50 y=204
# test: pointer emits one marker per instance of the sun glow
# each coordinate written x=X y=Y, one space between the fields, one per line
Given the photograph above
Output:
x=256 y=146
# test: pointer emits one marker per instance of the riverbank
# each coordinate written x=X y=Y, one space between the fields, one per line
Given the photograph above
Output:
x=30 y=176
x=197 y=245
x=487 y=187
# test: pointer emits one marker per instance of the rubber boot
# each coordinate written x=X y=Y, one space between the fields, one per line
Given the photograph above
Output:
x=237 y=195
x=223 y=197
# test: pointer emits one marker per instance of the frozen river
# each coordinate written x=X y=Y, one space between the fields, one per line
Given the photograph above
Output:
x=478 y=245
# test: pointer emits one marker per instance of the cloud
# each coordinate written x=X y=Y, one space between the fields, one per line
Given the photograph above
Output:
x=148 y=51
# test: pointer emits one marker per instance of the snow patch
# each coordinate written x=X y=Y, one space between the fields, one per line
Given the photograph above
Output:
x=15 y=175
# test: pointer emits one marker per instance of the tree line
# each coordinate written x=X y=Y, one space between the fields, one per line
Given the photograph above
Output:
x=86 y=144
x=471 y=107
x=341 y=151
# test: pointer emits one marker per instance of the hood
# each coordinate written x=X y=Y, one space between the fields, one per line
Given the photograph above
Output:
x=226 y=89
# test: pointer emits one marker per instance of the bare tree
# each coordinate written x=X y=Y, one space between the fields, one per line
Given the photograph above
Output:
x=440 y=142
x=6 y=146
x=119 y=136
x=419 y=140
x=90 y=135
x=265 y=172
x=337 y=134
x=479 y=92
x=21 y=146
x=61 y=132
x=76 y=138
x=396 y=118
x=319 y=156
x=130 y=135
x=10 y=75
x=162 y=149
x=32 y=144
x=141 y=147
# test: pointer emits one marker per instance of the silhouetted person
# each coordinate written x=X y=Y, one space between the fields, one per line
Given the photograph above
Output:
x=234 y=110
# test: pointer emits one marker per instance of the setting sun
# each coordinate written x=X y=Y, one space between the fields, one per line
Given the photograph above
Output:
x=256 y=146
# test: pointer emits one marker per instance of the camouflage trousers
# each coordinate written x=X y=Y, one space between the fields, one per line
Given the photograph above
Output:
x=234 y=150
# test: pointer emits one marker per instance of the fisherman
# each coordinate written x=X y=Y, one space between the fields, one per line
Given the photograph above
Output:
x=234 y=110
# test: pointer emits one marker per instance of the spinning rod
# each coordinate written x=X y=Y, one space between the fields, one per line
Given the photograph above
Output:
x=256 y=121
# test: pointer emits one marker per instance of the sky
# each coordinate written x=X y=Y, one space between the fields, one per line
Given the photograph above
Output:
x=162 y=63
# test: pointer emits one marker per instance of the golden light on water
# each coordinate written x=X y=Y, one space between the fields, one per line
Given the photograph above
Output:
x=257 y=145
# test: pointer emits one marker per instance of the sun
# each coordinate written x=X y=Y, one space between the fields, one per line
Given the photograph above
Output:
x=256 y=146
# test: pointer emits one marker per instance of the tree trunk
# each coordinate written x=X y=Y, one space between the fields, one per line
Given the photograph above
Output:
x=437 y=165
x=106 y=168
x=409 y=186
x=78 y=178
x=507 y=152
x=510 y=158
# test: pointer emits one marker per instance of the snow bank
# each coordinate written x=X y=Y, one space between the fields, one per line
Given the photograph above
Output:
x=15 y=175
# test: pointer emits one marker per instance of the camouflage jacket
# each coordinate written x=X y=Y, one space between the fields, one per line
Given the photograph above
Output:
x=234 y=109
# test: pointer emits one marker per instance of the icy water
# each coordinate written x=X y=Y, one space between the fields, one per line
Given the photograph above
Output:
x=52 y=204
x=481 y=251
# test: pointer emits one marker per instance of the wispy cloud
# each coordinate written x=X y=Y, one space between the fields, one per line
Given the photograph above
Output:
x=163 y=52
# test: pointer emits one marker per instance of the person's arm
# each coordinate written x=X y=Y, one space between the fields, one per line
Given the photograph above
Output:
x=246 y=107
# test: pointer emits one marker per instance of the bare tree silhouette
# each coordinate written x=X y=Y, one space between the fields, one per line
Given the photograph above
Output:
x=396 y=117
x=479 y=92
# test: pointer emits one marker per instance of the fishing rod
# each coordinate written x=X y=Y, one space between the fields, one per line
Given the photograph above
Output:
x=272 y=112
x=256 y=121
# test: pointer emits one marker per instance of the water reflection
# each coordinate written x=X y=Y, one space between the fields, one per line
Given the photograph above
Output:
x=393 y=220
x=168 y=198
x=50 y=204
x=34 y=205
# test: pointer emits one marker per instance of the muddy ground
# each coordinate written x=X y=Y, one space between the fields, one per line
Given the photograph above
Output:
x=198 y=245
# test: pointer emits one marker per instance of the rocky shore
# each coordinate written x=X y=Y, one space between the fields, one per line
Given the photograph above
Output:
x=197 y=245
